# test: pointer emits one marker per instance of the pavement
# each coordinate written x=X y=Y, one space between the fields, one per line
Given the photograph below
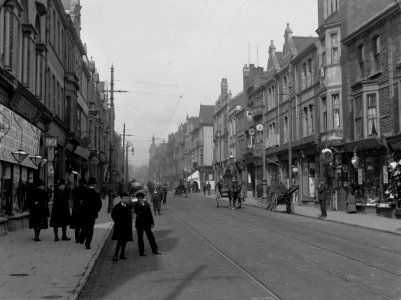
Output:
x=59 y=270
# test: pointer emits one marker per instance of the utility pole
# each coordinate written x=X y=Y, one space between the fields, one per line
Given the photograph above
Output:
x=123 y=166
x=290 y=133
x=111 y=129
x=264 y=178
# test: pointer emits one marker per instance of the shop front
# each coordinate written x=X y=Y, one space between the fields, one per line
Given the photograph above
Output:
x=19 y=144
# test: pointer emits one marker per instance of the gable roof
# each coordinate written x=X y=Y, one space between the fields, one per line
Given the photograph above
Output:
x=206 y=114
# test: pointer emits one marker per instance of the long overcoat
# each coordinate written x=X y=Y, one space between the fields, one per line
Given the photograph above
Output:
x=91 y=205
x=144 y=217
x=122 y=217
x=77 y=195
x=60 y=211
x=39 y=209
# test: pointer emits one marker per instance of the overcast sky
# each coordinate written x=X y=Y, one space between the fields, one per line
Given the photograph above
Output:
x=172 y=54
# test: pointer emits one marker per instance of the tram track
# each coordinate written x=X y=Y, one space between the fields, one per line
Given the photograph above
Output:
x=323 y=267
x=271 y=294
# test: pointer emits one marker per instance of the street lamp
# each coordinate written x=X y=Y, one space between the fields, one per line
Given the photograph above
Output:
x=355 y=160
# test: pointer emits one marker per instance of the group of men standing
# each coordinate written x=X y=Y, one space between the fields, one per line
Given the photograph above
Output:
x=122 y=217
x=85 y=208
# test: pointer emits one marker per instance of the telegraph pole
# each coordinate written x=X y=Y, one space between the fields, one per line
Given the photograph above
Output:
x=123 y=166
x=111 y=129
x=291 y=208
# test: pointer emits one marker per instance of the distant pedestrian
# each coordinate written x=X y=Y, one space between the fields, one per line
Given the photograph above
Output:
x=351 y=201
x=60 y=216
x=144 y=223
x=38 y=209
x=322 y=190
x=204 y=187
x=122 y=232
x=157 y=199
x=91 y=205
x=164 y=193
x=208 y=186
x=78 y=195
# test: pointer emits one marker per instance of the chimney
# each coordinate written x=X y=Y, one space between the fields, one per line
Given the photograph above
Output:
x=246 y=71
x=224 y=87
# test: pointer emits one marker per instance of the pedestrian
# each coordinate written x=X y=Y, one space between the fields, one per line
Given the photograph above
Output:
x=236 y=190
x=38 y=209
x=144 y=223
x=77 y=195
x=204 y=187
x=164 y=193
x=322 y=188
x=208 y=188
x=60 y=216
x=91 y=205
x=351 y=201
x=157 y=199
x=122 y=232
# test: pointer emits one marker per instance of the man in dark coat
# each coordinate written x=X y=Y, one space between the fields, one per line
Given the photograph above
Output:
x=91 y=205
x=38 y=209
x=122 y=232
x=157 y=197
x=144 y=223
x=77 y=195
x=236 y=191
x=164 y=193
x=322 y=188
x=60 y=211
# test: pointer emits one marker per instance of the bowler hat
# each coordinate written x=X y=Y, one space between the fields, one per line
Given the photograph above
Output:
x=140 y=193
x=92 y=180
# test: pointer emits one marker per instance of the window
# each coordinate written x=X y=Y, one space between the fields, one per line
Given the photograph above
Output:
x=324 y=114
x=311 y=120
x=358 y=117
x=323 y=53
x=303 y=76
x=285 y=129
x=329 y=7
x=336 y=110
x=376 y=53
x=372 y=114
x=309 y=73
x=361 y=60
x=305 y=121
x=334 y=48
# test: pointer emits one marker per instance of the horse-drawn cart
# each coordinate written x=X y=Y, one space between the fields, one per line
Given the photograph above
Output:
x=229 y=188
x=284 y=199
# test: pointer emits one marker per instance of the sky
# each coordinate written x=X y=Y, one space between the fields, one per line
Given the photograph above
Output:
x=170 y=55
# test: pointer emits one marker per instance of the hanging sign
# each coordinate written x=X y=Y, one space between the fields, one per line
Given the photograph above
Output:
x=251 y=131
x=259 y=127
x=327 y=155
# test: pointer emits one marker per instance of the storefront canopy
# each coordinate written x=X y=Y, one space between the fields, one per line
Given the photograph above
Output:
x=194 y=176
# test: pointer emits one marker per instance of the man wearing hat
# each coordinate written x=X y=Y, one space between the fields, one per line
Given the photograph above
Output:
x=60 y=216
x=77 y=195
x=91 y=205
x=144 y=223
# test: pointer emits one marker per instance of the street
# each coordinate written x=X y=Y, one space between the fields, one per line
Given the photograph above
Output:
x=249 y=253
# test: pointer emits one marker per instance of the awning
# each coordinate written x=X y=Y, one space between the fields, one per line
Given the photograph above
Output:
x=194 y=176
x=83 y=152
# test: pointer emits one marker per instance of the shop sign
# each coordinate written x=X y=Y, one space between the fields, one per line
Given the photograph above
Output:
x=21 y=135
x=51 y=142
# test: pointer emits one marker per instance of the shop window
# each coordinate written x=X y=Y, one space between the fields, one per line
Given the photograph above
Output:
x=308 y=176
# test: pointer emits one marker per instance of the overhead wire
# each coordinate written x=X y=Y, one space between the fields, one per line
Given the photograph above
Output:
x=205 y=64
